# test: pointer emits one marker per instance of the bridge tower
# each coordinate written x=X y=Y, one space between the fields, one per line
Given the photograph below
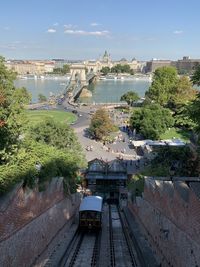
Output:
x=78 y=74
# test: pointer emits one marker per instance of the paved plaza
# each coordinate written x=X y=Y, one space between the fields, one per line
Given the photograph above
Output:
x=121 y=148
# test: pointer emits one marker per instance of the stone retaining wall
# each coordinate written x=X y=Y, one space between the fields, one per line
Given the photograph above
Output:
x=169 y=218
x=31 y=220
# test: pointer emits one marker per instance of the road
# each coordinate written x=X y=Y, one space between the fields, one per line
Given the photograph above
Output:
x=121 y=148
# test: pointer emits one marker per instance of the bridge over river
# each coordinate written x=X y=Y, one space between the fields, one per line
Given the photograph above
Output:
x=78 y=81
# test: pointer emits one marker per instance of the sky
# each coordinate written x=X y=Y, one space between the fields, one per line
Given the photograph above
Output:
x=84 y=29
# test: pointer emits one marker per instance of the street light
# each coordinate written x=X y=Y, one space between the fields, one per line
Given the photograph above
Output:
x=172 y=171
x=38 y=166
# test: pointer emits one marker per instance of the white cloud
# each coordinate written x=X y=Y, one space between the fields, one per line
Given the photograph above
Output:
x=94 y=24
x=178 y=32
x=51 y=30
x=68 y=26
x=56 y=24
x=80 y=32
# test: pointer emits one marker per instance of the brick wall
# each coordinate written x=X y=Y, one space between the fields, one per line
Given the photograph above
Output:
x=170 y=219
x=31 y=220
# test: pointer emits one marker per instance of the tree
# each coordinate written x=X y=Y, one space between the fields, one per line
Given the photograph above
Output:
x=22 y=96
x=42 y=98
x=196 y=76
x=101 y=125
x=121 y=69
x=130 y=97
x=12 y=122
x=180 y=101
x=183 y=93
x=55 y=134
x=163 y=86
x=65 y=69
x=151 y=121
x=51 y=144
x=194 y=112
x=105 y=70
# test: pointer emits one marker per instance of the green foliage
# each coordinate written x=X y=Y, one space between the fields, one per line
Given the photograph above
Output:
x=22 y=96
x=183 y=94
x=136 y=185
x=50 y=143
x=163 y=86
x=169 y=90
x=54 y=163
x=101 y=125
x=105 y=70
x=182 y=118
x=64 y=70
x=55 y=134
x=196 y=76
x=42 y=98
x=181 y=158
x=12 y=118
x=130 y=97
x=178 y=133
x=121 y=69
x=194 y=112
x=118 y=69
x=151 y=121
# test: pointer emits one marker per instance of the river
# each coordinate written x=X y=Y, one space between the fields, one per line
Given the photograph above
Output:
x=104 y=91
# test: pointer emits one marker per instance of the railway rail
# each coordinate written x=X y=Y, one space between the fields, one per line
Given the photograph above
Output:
x=113 y=246
x=82 y=244
x=123 y=252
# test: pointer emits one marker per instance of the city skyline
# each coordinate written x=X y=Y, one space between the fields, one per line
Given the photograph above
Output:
x=85 y=29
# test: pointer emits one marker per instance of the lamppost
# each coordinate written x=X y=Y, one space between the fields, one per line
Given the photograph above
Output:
x=38 y=166
x=172 y=172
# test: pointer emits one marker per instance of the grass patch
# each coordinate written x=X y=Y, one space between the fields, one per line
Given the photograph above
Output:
x=35 y=116
x=159 y=169
x=177 y=133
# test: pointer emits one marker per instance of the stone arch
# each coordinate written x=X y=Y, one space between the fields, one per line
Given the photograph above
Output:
x=78 y=73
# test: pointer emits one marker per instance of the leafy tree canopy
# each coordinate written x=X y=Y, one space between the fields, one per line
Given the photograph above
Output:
x=55 y=134
x=130 y=97
x=164 y=85
x=101 y=125
x=12 y=122
x=105 y=70
x=194 y=112
x=151 y=121
x=196 y=76
x=121 y=69
x=51 y=144
x=42 y=98
x=183 y=93
x=64 y=70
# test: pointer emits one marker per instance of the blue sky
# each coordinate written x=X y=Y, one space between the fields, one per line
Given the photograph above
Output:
x=84 y=29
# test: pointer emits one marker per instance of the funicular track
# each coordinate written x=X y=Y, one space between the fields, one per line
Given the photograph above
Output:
x=112 y=248
x=122 y=249
x=83 y=250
